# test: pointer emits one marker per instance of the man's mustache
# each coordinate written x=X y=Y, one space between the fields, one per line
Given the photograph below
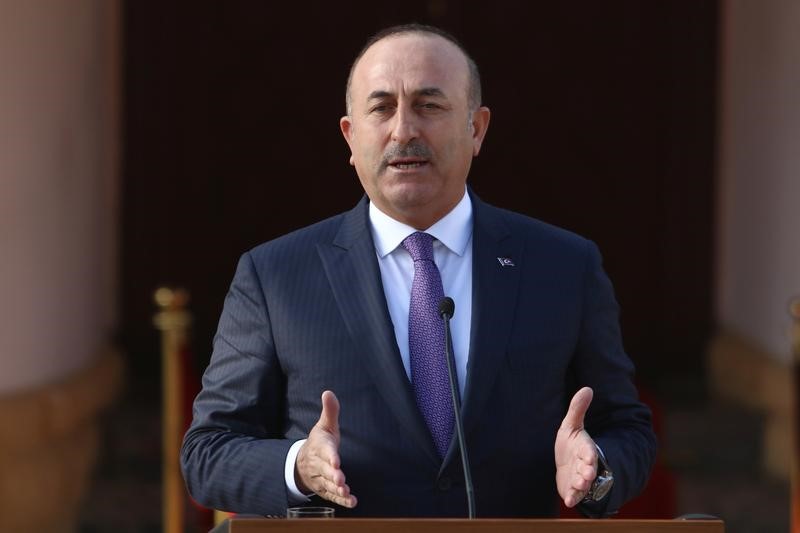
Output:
x=397 y=151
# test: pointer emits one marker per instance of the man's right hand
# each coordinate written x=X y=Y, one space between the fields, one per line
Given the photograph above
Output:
x=318 y=467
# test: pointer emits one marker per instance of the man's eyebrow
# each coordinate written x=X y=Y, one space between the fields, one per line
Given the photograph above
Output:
x=377 y=95
x=430 y=91
x=425 y=91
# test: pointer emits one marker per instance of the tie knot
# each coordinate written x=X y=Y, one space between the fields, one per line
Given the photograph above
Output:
x=420 y=246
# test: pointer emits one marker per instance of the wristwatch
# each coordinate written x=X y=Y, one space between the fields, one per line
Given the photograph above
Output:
x=604 y=480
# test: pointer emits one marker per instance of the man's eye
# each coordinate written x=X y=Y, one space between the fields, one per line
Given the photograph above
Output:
x=381 y=108
x=430 y=106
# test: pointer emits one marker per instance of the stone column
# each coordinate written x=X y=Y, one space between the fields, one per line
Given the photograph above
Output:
x=59 y=150
x=758 y=252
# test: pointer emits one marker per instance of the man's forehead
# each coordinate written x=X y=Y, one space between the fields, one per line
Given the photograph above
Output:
x=414 y=58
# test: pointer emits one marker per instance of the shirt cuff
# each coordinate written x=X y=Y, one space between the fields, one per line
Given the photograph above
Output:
x=293 y=493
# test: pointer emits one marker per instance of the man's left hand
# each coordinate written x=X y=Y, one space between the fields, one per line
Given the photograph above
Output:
x=576 y=455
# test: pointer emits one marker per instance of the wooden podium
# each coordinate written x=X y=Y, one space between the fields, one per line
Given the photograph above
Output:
x=416 y=525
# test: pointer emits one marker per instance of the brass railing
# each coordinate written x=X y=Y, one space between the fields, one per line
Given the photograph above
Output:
x=173 y=320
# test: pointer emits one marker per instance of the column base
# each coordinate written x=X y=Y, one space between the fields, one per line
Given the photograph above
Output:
x=49 y=440
x=744 y=374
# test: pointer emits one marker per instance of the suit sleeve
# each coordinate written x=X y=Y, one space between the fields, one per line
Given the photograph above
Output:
x=234 y=452
x=616 y=420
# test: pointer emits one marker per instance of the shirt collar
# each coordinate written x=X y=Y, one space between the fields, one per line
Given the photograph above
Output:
x=453 y=230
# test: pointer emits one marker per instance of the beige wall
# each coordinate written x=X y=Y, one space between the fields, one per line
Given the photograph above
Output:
x=759 y=223
x=59 y=86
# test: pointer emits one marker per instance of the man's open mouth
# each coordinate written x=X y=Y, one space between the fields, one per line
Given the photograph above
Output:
x=406 y=164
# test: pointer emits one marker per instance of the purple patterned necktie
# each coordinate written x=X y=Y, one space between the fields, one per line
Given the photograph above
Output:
x=426 y=342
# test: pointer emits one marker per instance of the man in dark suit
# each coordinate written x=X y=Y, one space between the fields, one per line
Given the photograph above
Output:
x=326 y=371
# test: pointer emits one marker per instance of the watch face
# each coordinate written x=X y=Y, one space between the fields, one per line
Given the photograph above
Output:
x=603 y=485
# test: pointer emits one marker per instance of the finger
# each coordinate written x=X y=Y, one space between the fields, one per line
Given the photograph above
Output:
x=329 y=418
x=349 y=501
x=325 y=471
x=587 y=471
x=580 y=483
x=327 y=487
x=338 y=494
x=573 y=498
x=577 y=409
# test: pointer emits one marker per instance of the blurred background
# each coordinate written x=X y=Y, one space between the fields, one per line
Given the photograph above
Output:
x=149 y=143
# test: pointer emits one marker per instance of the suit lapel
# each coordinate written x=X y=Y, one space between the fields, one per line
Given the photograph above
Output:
x=352 y=269
x=494 y=299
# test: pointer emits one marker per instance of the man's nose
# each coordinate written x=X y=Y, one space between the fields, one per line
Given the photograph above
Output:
x=405 y=127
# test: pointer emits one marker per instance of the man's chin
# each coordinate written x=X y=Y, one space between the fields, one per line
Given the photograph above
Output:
x=410 y=196
x=418 y=205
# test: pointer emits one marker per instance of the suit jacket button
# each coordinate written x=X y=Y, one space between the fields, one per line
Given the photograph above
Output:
x=445 y=484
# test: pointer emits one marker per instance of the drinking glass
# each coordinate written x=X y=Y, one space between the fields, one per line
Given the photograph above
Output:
x=309 y=512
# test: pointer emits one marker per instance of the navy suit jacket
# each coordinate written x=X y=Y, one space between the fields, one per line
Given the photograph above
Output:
x=306 y=312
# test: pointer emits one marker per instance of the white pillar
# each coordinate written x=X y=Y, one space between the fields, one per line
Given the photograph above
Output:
x=758 y=232
x=758 y=259
x=59 y=87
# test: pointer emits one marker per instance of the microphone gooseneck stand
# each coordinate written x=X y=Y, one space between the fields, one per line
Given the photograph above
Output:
x=446 y=310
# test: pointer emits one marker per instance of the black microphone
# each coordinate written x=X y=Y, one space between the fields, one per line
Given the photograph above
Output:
x=447 y=309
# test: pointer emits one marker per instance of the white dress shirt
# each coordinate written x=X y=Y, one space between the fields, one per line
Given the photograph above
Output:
x=452 y=253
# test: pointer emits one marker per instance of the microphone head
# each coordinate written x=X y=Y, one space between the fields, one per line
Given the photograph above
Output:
x=447 y=307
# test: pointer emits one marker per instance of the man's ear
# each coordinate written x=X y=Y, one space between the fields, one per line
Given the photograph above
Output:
x=479 y=123
x=346 y=125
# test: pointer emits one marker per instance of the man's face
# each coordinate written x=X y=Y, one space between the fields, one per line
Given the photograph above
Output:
x=411 y=134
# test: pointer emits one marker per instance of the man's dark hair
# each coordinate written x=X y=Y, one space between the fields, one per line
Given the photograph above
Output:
x=474 y=90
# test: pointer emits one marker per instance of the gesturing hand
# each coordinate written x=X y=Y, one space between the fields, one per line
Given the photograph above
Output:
x=576 y=455
x=318 y=467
